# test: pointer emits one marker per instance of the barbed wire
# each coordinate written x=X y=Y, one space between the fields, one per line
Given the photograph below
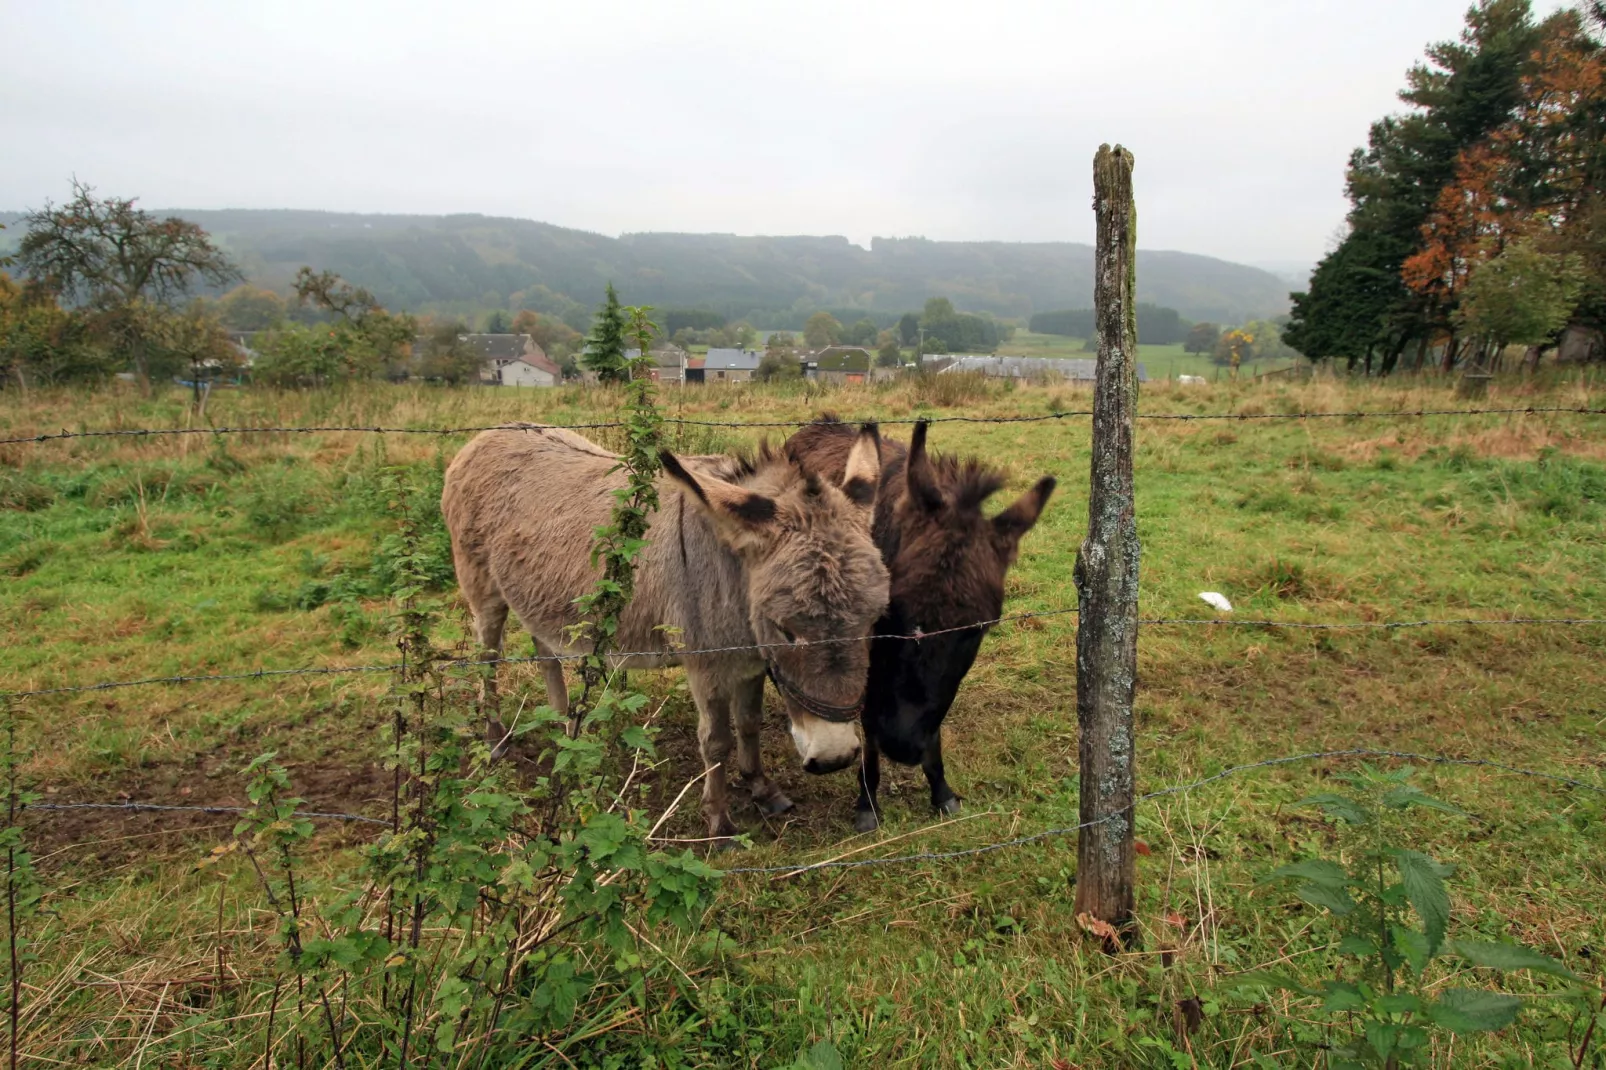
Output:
x=1381 y=625
x=152 y=432
x=798 y=868
x=136 y=807
x=1529 y=410
x=1150 y=622
x=1175 y=789
x=448 y=663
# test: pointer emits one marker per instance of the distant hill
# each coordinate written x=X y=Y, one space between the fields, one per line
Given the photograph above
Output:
x=1296 y=273
x=468 y=262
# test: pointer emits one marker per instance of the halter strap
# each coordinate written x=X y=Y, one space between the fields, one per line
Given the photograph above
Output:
x=823 y=710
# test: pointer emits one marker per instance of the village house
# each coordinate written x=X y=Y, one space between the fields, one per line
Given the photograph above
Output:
x=839 y=364
x=729 y=365
x=499 y=350
x=668 y=363
x=532 y=370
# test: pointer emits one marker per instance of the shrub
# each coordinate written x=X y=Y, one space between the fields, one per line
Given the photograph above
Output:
x=489 y=914
x=1386 y=1007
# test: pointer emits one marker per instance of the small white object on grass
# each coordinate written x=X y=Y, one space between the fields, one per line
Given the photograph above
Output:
x=1217 y=600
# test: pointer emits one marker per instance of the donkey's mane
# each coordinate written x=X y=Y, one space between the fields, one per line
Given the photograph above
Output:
x=742 y=464
x=967 y=482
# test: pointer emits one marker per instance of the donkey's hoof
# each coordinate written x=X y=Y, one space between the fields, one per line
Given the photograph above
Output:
x=775 y=804
x=949 y=805
x=866 y=821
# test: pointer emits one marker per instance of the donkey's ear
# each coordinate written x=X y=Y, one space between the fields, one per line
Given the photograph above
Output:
x=1017 y=520
x=862 y=474
x=739 y=515
x=920 y=481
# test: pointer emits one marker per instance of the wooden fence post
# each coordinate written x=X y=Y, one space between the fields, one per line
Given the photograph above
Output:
x=1106 y=570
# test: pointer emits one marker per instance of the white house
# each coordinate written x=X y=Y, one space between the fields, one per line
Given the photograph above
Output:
x=525 y=372
x=497 y=350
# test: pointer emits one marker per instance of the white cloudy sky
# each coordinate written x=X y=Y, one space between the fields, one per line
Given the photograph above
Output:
x=948 y=120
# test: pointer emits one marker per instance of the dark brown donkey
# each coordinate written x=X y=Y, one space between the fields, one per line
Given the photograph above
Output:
x=947 y=563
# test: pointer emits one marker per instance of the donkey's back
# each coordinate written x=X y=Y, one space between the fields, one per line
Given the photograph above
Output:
x=522 y=506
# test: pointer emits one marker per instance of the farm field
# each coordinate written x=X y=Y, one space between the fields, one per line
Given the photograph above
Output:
x=129 y=557
x=1160 y=361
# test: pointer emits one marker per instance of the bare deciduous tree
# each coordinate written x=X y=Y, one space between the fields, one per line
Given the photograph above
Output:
x=326 y=290
x=114 y=257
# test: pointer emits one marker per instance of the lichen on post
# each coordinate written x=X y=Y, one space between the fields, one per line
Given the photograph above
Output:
x=1107 y=566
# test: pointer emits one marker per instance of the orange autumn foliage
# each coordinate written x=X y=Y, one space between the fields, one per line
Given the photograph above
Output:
x=1528 y=178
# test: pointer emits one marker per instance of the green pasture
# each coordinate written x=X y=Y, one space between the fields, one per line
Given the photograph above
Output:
x=124 y=558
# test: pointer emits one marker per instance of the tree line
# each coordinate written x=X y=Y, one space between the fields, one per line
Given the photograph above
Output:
x=1156 y=325
x=467 y=265
x=104 y=286
x=1478 y=217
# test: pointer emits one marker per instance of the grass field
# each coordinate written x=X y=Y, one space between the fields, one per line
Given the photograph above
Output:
x=135 y=557
x=1161 y=362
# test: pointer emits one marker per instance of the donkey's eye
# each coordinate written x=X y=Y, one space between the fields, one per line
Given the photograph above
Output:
x=784 y=630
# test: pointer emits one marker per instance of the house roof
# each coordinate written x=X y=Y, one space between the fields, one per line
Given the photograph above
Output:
x=732 y=360
x=1078 y=369
x=540 y=361
x=843 y=358
x=664 y=356
x=502 y=346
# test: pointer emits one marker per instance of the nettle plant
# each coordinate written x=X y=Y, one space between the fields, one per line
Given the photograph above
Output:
x=1391 y=909
x=503 y=908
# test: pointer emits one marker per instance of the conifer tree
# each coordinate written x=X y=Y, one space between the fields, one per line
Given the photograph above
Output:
x=605 y=345
x=1359 y=305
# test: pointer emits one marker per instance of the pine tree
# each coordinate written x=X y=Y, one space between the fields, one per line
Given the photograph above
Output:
x=605 y=345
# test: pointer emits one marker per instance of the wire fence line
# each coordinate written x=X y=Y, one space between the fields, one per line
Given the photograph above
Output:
x=130 y=807
x=1175 y=789
x=1149 y=622
x=139 y=807
x=152 y=432
x=1362 y=625
x=797 y=868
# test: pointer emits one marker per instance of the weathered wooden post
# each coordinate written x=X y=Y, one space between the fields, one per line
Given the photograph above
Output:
x=1107 y=567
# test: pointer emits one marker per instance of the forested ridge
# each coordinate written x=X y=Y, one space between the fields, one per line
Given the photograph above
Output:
x=463 y=263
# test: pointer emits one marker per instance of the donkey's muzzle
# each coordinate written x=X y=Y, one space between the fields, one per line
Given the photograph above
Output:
x=831 y=765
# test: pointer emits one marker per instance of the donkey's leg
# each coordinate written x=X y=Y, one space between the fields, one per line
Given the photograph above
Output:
x=943 y=799
x=714 y=739
x=749 y=701
x=490 y=623
x=866 y=812
x=557 y=688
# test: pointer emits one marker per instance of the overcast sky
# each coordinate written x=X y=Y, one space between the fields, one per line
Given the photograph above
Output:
x=948 y=120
